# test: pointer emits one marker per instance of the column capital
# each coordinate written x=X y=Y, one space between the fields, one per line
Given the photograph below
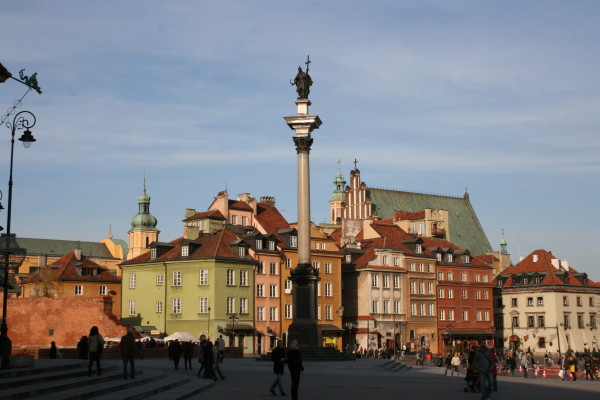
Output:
x=303 y=144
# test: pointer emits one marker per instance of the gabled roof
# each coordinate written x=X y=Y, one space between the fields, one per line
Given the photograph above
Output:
x=239 y=205
x=270 y=218
x=465 y=229
x=69 y=268
x=540 y=262
x=407 y=215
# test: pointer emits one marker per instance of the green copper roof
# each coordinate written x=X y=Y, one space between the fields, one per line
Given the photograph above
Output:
x=465 y=229
x=143 y=220
x=54 y=247
x=339 y=187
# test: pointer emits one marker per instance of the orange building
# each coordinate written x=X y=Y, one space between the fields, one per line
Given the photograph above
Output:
x=74 y=276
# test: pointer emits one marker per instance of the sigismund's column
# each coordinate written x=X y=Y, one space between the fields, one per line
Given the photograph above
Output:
x=304 y=277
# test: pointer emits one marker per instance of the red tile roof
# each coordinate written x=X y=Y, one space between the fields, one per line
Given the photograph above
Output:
x=69 y=268
x=214 y=214
x=270 y=218
x=239 y=205
x=407 y=215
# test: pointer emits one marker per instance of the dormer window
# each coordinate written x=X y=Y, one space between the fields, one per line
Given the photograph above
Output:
x=449 y=257
x=525 y=281
x=185 y=251
x=153 y=252
x=467 y=259
x=234 y=220
x=384 y=260
x=271 y=245
x=419 y=248
x=293 y=241
x=348 y=258
x=439 y=256
x=242 y=251
x=259 y=244
x=500 y=282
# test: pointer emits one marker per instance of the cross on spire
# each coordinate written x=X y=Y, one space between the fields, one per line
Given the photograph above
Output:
x=307 y=62
x=355 y=162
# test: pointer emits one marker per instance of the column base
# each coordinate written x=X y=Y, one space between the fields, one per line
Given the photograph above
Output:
x=308 y=335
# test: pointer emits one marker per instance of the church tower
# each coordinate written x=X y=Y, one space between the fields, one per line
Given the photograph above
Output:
x=338 y=197
x=143 y=227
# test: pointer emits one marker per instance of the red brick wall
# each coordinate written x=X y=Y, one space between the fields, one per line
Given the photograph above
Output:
x=30 y=320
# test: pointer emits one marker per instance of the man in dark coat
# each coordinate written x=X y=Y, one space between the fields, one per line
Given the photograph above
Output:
x=127 y=346
x=294 y=360
x=278 y=358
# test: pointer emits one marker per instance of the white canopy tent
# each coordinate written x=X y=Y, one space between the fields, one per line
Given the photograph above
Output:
x=182 y=337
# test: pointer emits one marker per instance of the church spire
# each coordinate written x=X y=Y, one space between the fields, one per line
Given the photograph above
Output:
x=338 y=196
x=503 y=244
x=143 y=227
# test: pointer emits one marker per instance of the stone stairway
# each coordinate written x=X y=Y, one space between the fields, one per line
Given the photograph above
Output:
x=396 y=366
x=68 y=380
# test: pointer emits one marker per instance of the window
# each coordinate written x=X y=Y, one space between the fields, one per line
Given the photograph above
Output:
x=450 y=315
x=463 y=294
x=386 y=307
x=449 y=257
x=525 y=281
x=176 y=305
x=418 y=248
x=422 y=309
x=580 y=323
x=448 y=276
x=566 y=320
x=421 y=287
x=478 y=315
x=318 y=288
x=243 y=278
x=348 y=258
x=514 y=302
x=259 y=244
x=486 y=315
x=103 y=290
x=431 y=309
x=593 y=321
x=530 y=321
x=541 y=321
x=396 y=307
x=242 y=251
x=396 y=281
x=230 y=277
x=429 y=287
x=288 y=311
x=413 y=287
x=467 y=259
x=78 y=290
x=463 y=277
x=450 y=293
x=375 y=280
x=442 y=315
x=440 y=276
x=328 y=313
x=413 y=309
x=421 y=267
x=293 y=241
x=159 y=280
x=395 y=261
x=413 y=266
x=430 y=268
x=273 y=314
x=288 y=285
x=441 y=293
x=203 y=277
x=465 y=315
x=260 y=313
x=260 y=268
x=478 y=295
x=273 y=268
x=565 y=301
x=438 y=256
x=375 y=306
x=131 y=307
x=515 y=322
x=323 y=246
x=591 y=302
x=384 y=260
x=243 y=305
x=485 y=278
x=245 y=221
x=153 y=252
x=159 y=306
x=230 y=305
x=203 y=305
x=579 y=301
x=131 y=281
x=271 y=245
x=328 y=268
x=176 y=278
x=386 y=281
x=317 y=266
x=288 y=263
x=530 y=302
x=541 y=341
x=234 y=220
x=328 y=290
x=260 y=291
x=486 y=295
x=185 y=251
x=272 y=290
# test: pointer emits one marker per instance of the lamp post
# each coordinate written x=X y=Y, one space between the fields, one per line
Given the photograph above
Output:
x=208 y=323
x=349 y=326
x=11 y=254
x=233 y=317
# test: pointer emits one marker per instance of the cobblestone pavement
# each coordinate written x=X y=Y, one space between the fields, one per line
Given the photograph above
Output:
x=366 y=379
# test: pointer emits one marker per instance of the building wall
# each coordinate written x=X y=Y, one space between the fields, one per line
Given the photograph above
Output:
x=64 y=321
x=269 y=329
x=421 y=305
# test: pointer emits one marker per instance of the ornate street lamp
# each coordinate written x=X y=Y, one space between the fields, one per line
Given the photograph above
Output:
x=11 y=254
x=233 y=317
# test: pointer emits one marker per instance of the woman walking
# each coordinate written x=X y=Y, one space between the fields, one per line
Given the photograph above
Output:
x=95 y=347
x=294 y=359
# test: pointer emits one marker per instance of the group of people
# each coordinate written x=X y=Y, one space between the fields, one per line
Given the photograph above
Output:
x=293 y=358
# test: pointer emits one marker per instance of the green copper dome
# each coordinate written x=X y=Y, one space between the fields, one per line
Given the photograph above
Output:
x=143 y=219
x=339 y=186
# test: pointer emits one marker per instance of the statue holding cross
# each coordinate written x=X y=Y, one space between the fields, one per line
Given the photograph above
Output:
x=303 y=81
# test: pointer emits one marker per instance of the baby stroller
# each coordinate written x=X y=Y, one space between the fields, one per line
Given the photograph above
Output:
x=472 y=381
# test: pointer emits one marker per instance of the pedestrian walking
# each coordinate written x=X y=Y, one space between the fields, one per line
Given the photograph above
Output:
x=221 y=348
x=217 y=360
x=128 y=350
x=588 y=368
x=95 y=348
x=188 y=354
x=455 y=363
x=54 y=353
x=175 y=351
x=294 y=360
x=82 y=348
x=524 y=364
x=209 y=360
x=279 y=358
x=483 y=363
x=573 y=368
x=448 y=364
x=565 y=368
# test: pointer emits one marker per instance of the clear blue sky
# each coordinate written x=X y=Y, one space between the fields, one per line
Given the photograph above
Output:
x=500 y=97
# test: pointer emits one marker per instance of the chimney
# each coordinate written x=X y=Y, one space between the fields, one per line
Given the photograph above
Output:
x=268 y=200
x=565 y=264
x=190 y=212
x=77 y=252
x=555 y=263
x=42 y=260
x=535 y=258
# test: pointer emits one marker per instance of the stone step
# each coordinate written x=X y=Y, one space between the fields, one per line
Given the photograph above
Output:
x=92 y=388
x=40 y=370
x=168 y=387
x=54 y=375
